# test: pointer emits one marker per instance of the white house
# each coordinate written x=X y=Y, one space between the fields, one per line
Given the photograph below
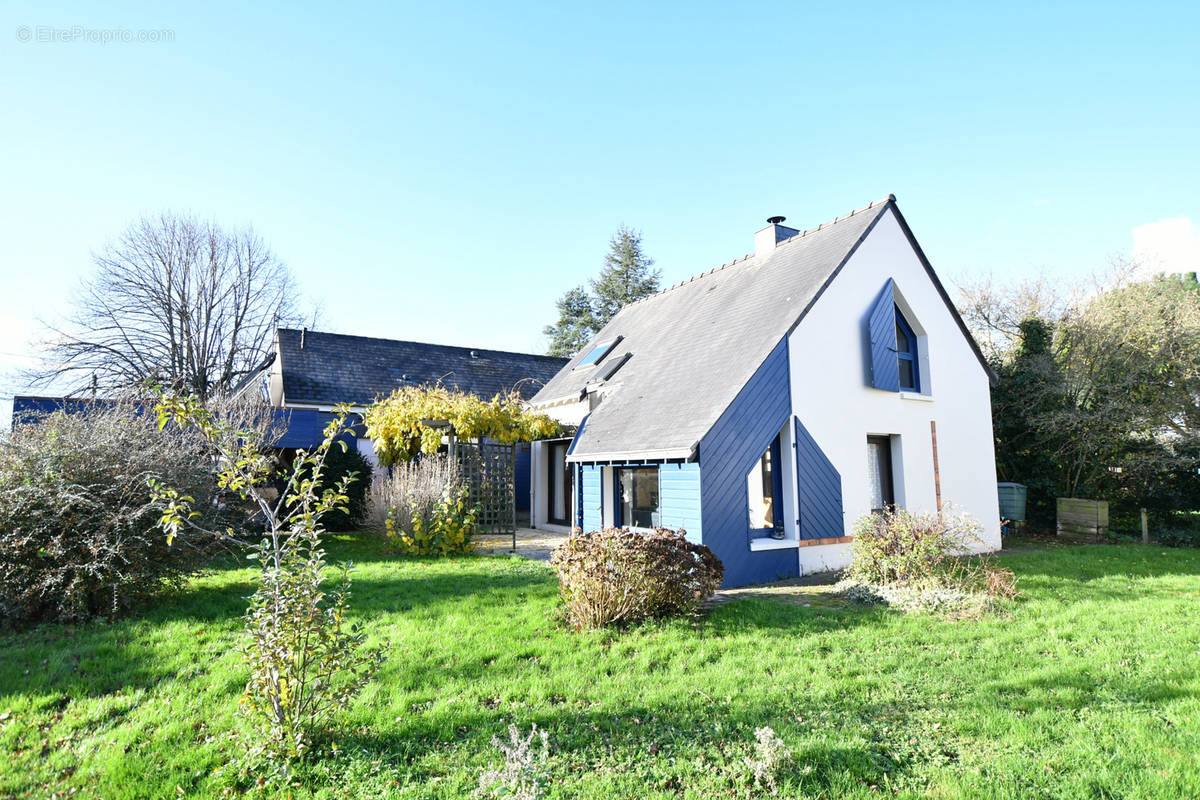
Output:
x=768 y=404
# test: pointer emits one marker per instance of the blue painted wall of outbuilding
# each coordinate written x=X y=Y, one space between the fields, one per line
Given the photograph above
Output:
x=727 y=453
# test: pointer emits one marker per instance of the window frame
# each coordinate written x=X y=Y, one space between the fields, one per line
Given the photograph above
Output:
x=599 y=352
x=619 y=516
x=911 y=355
x=775 y=453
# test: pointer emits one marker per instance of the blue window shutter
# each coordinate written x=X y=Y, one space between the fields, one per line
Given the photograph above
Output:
x=881 y=325
x=820 y=490
x=590 y=496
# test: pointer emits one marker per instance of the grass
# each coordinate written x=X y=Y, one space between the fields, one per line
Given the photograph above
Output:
x=1086 y=687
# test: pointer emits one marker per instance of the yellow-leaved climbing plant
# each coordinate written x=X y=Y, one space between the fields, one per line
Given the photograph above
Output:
x=395 y=424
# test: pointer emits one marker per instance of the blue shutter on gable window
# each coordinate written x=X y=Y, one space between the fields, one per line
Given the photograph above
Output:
x=881 y=329
x=820 y=490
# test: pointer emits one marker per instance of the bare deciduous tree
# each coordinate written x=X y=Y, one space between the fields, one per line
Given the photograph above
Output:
x=177 y=302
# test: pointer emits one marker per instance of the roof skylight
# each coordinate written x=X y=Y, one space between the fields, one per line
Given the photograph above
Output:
x=598 y=352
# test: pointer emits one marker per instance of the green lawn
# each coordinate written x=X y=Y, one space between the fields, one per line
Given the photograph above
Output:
x=1086 y=687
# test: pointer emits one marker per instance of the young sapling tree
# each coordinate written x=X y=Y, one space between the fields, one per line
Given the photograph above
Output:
x=306 y=663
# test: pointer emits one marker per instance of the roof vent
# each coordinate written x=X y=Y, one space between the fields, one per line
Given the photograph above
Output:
x=303 y=333
x=770 y=236
x=474 y=354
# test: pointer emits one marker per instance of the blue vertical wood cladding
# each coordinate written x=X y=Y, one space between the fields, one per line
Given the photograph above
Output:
x=820 y=490
x=679 y=498
x=590 y=498
x=522 y=475
x=578 y=492
x=727 y=452
x=881 y=330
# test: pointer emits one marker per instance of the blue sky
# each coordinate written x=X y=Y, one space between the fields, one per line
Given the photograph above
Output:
x=444 y=172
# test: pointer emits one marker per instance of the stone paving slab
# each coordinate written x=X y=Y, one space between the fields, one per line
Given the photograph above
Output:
x=807 y=590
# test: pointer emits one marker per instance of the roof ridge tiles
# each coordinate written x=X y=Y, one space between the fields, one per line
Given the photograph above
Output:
x=310 y=333
x=891 y=198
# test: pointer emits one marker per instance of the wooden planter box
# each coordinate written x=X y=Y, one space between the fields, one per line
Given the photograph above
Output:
x=1082 y=520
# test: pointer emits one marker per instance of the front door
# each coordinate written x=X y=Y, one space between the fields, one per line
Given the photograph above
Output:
x=558 y=484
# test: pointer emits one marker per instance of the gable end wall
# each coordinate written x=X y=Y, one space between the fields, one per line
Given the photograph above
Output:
x=831 y=341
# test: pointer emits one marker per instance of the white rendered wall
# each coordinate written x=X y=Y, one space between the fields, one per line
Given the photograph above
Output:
x=568 y=414
x=832 y=396
x=539 y=509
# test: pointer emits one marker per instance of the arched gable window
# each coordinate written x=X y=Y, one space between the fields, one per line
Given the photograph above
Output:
x=907 y=363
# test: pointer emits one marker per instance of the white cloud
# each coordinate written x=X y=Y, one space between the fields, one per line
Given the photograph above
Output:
x=1169 y=245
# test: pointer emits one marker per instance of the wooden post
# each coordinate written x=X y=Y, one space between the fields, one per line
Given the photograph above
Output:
x=1145 y=528
x=937 y=475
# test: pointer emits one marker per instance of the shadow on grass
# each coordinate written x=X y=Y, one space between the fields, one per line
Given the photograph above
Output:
x=100 y=657
x=1074 y=689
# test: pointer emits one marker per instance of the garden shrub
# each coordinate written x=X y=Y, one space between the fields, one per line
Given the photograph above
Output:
x=424 y=507
x=79 y=532
x=616 y=575
x=896 y=547
x=911 y=562
x=1178 y=537
x=339 y=463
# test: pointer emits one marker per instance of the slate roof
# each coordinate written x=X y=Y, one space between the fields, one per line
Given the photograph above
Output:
x=337 y=368
x=695 y=345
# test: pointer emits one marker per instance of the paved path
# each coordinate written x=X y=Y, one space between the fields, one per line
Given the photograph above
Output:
x=532 y=544
x=808 y=590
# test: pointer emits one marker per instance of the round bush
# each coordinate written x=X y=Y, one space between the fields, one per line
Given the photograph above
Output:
x=78 y=531
x=616 y=575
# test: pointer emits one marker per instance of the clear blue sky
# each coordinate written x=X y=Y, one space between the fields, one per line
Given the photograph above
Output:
x=443 y=172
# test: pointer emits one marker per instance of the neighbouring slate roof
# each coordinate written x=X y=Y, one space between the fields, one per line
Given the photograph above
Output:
x=695 y=345
x=336 y=368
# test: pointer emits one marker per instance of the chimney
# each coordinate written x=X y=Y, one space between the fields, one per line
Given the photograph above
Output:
x=766 y=240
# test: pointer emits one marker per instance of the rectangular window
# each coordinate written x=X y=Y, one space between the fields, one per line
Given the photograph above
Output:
x=764 y=490
x=906 y=355
x=637 y=492
x=879 y=472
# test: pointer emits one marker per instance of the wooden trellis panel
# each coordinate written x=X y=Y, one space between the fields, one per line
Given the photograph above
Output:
x=489 y=469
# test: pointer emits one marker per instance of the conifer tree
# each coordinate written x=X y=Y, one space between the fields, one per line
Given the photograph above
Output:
x=627 y=276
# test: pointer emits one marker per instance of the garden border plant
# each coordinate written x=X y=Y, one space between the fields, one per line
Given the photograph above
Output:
x=305 y=663
x=918 y=562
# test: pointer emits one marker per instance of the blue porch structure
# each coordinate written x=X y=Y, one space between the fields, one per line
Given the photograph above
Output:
x=709 y=497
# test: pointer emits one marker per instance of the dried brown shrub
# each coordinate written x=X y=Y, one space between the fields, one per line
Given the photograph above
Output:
x=997 y=581
x=617 y=576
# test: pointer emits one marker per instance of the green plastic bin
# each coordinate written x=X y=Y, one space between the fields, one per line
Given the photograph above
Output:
x=1012 y=501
